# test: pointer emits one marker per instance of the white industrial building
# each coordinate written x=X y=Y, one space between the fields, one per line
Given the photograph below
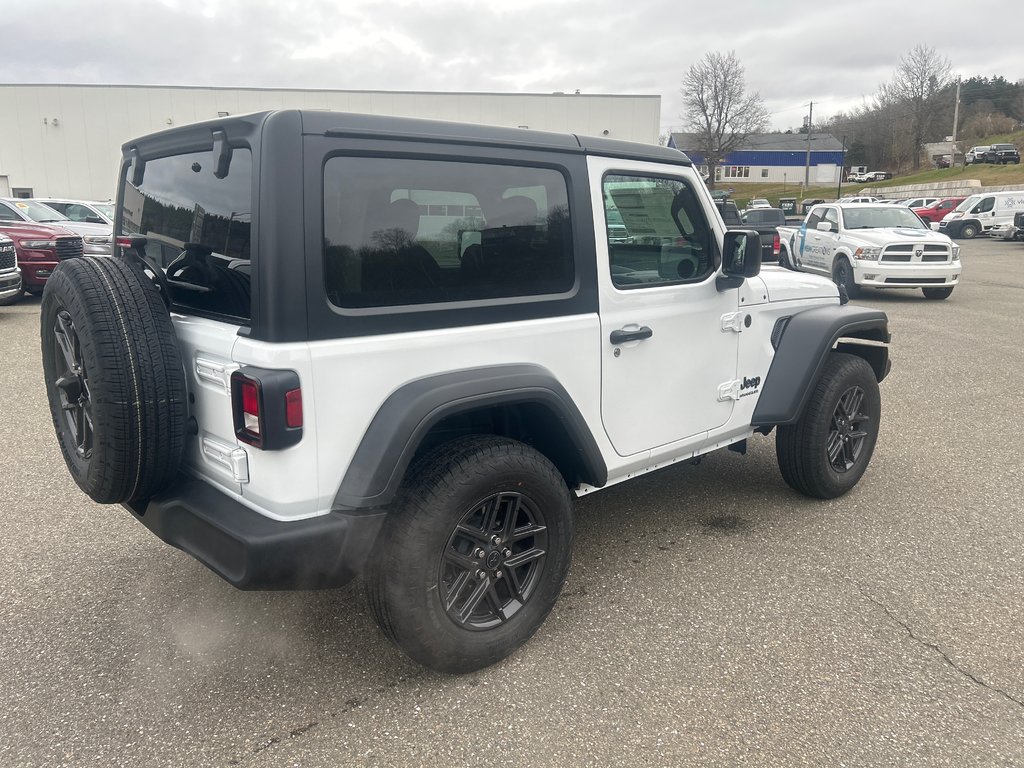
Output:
x=65 y=140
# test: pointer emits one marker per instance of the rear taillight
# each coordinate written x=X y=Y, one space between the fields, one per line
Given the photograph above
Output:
x=245 y=396
x=776 y=245
x=267 y=407
x=293 y=408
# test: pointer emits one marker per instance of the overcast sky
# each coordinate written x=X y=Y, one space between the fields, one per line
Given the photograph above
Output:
x=833 y=53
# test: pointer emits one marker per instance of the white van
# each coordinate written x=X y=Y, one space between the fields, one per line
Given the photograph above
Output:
x=982 y=213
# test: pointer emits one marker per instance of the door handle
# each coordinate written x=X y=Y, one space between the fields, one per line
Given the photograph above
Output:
x=621 y=336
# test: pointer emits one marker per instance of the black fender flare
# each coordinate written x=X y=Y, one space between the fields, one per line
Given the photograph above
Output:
x=408 y=413
x=802 y=343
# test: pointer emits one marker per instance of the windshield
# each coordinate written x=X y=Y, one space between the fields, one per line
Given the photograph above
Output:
x=37 y=211
x=968 y=203
x=107 y=209
x=881 y=216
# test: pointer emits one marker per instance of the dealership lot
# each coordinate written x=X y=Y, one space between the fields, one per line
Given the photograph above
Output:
x=712 y=616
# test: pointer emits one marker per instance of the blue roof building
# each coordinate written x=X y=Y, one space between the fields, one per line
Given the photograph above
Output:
x=768 y=158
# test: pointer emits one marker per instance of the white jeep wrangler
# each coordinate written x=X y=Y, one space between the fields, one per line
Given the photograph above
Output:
x=334 y=344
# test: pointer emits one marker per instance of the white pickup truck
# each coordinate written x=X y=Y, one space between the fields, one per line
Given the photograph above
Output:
x=879 y=246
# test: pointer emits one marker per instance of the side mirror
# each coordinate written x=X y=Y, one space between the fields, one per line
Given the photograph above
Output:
x=741 y=258
x=824 y=226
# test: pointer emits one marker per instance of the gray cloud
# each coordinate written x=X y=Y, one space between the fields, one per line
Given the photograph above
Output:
x=835 y=54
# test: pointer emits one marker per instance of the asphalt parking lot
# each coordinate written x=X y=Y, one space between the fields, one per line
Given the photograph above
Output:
x=712 y=616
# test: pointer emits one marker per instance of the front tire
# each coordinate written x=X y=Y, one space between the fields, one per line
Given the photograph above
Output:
x=824 y=454
x=842 y=274
x=474 y=554
x=968 y=231
x=937 y=293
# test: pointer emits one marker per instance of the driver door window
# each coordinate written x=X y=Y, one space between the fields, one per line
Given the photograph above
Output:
x=657 y=232
x=832 y=217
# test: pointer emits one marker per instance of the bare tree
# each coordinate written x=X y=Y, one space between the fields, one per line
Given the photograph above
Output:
x=719 y=111
x=919 y=77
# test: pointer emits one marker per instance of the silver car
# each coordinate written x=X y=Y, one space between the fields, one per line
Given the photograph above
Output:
x=89 y=211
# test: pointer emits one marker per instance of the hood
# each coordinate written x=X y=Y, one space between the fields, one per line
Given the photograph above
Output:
x=889 y=235
x=24 y=229
x=785 y=285
x=86 y=228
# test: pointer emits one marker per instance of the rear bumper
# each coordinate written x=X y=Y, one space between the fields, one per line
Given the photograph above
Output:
x=251 y=551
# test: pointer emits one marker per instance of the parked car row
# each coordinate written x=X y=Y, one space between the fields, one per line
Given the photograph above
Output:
x=998 y=154
x=861 y=178
x=45 y=232
x=989 y=213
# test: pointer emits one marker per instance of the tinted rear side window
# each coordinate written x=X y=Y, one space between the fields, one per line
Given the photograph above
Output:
x=404 y=231
x=180 y=201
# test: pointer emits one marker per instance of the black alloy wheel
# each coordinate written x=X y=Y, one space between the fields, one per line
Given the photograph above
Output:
x=843 y=276
x=824 y=454
x=73 y=384
x=494 y=561
x=472 y=554
x=847 y=435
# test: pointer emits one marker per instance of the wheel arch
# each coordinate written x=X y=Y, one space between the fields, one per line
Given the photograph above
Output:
x=803 y=343
x=517 y=401
x=843 y=254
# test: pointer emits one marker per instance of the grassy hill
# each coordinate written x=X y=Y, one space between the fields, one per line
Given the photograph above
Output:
x=988 y=175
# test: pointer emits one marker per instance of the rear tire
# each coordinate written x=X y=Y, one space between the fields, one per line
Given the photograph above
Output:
x=480 y=518
x=114 y=379
x=813 y=455
x=937 y=293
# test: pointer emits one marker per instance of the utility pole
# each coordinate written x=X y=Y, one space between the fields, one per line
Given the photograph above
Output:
x=956 y=119
x=842 y=167
x=807 y=165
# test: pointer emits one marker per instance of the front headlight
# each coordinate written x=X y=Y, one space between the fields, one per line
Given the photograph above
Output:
x=956 y=252
x=38 y=243
x=99 y=240
x=867 y=254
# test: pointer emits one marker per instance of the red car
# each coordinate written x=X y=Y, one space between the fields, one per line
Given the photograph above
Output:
x=935 y=212
x=39 y=248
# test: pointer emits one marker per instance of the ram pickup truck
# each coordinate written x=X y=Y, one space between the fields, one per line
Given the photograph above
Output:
x=39 y=248
x=766 y=222
x=1001 y=154
x=10 y=274
x=880 y=246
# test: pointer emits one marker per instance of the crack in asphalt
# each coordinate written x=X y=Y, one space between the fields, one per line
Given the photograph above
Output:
x=934 y=646
x=350 y=704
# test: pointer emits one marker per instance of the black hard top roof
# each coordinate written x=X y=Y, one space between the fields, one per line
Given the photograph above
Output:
x=322 y=122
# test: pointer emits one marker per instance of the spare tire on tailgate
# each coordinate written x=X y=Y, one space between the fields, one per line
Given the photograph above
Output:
x=114 y=378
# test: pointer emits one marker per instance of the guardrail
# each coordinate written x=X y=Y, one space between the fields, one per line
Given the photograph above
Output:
x=958 y=188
